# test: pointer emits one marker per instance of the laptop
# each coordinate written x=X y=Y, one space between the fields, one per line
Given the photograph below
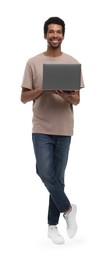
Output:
x=64 y=77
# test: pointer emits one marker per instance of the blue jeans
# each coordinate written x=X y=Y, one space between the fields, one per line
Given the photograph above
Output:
x=51 y=152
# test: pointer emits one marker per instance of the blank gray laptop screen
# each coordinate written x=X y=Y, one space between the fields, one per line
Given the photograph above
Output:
x=65 y=77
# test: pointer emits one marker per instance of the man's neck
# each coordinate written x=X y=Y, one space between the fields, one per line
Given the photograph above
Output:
x=53 y=52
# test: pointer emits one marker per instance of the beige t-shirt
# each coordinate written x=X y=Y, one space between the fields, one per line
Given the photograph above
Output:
x=51 y=114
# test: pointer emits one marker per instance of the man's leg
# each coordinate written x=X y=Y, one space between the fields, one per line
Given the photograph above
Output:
x=44 y=146
x=61 y=151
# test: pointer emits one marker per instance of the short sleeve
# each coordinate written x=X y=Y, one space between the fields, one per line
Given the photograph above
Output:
x=27 y=77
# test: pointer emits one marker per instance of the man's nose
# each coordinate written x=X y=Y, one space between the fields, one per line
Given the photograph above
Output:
x=55 y=34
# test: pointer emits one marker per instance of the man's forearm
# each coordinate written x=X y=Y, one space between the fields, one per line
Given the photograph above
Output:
x=74 y=100
x=30 y=95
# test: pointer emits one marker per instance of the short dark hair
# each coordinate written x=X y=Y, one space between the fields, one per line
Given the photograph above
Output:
x=54 y=20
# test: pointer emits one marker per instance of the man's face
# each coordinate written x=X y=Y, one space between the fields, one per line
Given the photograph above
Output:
x=54 y=35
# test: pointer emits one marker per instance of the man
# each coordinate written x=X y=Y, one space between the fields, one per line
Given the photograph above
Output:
x=52 y=127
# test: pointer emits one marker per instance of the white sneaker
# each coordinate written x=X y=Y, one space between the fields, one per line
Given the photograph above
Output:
x=70 y=218
x=54 y=235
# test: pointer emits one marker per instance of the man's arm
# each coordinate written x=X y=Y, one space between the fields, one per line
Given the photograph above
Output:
x=30 y=95
x=72 y=97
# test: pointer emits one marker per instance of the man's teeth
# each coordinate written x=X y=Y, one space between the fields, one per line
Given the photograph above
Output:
x=54 y=41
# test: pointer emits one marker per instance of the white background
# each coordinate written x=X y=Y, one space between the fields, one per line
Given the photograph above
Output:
x=23 y=198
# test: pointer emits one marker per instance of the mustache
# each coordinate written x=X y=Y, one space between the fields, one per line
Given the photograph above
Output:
x=55 y=38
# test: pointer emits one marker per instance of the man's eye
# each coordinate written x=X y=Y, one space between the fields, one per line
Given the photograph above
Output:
x=60 y=32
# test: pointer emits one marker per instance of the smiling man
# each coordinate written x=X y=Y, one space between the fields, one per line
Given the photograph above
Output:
x=54 y=35
x=52 y=128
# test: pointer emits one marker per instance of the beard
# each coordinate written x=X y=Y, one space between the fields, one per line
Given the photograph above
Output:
x=54 y=46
